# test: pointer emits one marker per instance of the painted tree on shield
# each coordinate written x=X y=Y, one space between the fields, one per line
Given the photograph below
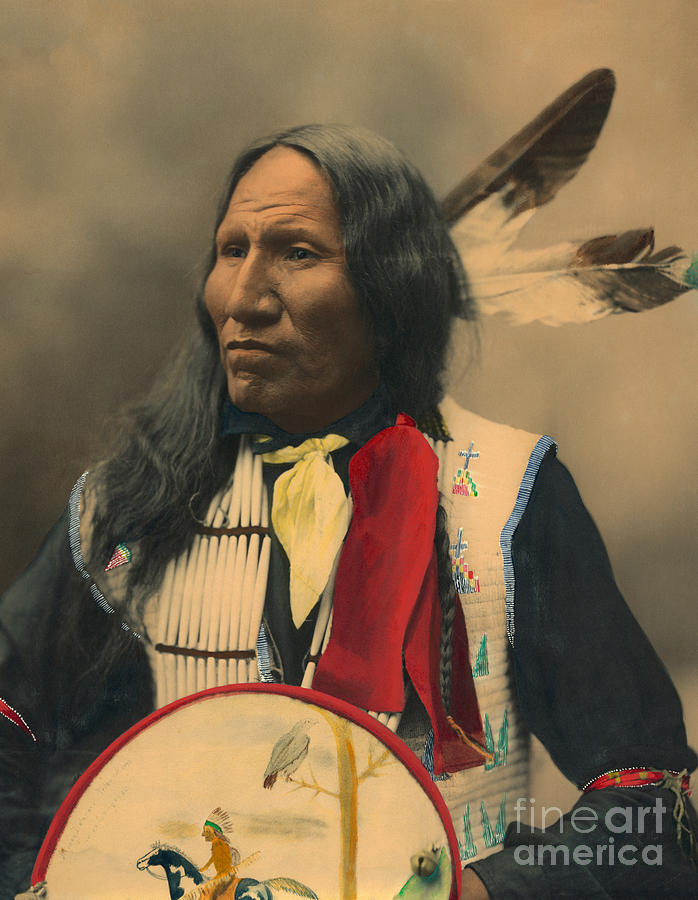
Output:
x=287 y=756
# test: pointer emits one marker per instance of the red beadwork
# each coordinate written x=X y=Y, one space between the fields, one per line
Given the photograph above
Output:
x=634 y=778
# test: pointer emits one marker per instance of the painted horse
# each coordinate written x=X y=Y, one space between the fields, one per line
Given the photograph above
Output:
x=177 y=865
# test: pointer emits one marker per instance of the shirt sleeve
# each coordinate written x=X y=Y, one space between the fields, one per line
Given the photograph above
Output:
x=76 y=700
x=25 y=616
x=595 y=693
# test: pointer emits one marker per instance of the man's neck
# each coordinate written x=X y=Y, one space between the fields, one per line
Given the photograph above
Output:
x=358 y=426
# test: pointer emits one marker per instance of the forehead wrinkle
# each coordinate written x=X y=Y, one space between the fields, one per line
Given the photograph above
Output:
x=291 y=209
x=285 y=183
x=281 y=215
x=311 y=223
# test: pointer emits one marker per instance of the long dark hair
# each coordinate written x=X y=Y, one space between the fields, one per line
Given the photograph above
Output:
x=169 y=458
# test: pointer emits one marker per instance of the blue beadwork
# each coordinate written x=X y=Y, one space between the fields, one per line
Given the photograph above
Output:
x=464 y=580
x=468 y=454
x=428 y=758
x=264 y=656
x=76 y=551
x=537 y=455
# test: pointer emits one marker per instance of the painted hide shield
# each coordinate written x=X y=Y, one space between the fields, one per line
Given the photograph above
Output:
x=253 y=791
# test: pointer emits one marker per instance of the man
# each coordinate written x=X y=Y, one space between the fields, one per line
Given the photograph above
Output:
x=216 y=831
x=323 y=327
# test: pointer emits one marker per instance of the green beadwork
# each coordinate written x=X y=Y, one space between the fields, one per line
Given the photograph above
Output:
x=482 y=664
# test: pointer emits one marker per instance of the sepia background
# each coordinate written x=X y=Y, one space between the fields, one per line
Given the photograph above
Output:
x=120 y=120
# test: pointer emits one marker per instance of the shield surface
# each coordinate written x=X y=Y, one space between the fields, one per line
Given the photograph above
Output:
x=181 y=805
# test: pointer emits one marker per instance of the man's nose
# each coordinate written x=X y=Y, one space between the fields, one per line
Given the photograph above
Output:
x=254 y=293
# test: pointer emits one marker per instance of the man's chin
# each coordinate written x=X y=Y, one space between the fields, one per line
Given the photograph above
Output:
x=253 y=395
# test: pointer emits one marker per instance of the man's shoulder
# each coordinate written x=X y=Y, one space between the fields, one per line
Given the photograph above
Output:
x=466 y=425
x=489 y=460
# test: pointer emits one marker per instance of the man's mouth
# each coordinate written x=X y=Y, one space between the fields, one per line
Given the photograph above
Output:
x=249 y=345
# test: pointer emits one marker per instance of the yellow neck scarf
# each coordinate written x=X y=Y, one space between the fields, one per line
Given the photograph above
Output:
x=310 y=514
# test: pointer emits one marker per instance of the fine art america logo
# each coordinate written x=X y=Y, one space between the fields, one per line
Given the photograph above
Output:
x=606 y=847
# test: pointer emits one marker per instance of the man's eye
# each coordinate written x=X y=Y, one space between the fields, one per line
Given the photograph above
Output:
x=230 y=250
x=301 y=253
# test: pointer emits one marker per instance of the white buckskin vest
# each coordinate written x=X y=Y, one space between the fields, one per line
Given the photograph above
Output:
x=203 y=626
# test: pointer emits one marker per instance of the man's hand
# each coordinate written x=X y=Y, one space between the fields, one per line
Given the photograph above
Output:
x=473 y=888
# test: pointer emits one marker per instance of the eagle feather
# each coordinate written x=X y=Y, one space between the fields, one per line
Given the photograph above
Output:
x=575 y=281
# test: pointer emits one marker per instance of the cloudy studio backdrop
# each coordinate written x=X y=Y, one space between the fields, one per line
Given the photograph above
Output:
x=121 y=120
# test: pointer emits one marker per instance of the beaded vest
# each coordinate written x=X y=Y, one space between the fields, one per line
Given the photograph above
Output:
x=486 y=474
x=200 y=633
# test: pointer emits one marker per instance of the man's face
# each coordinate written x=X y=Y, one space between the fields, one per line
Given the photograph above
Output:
x=293 y=340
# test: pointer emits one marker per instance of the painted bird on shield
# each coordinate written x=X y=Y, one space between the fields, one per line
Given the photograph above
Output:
x=288 y=753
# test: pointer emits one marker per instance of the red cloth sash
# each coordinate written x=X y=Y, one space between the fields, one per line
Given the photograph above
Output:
x=386 y=599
